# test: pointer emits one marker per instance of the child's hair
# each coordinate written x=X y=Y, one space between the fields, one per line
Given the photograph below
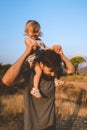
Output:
x=32 y=24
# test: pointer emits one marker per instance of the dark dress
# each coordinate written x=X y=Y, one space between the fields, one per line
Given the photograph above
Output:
x=39 y=114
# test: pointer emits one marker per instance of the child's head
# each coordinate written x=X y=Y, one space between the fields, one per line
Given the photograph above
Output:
x=32 y=29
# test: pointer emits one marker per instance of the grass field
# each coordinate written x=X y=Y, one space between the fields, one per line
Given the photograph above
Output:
x=71 y=106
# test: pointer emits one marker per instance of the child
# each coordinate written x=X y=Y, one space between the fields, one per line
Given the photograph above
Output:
x=33 y=32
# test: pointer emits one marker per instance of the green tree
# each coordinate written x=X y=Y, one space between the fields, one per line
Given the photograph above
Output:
x=76 y=61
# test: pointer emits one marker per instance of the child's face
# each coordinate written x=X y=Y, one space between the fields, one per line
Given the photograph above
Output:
x=34 y=33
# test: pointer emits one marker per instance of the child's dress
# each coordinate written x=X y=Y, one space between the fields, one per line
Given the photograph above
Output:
x=41 y=46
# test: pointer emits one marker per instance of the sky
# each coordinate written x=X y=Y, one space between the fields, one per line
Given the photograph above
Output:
x=62 y=22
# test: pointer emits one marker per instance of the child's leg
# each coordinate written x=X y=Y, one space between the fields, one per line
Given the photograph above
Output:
x=37 y=75
x=35 y=91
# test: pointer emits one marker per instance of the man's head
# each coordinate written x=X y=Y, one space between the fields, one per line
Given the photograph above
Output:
x=50 y=62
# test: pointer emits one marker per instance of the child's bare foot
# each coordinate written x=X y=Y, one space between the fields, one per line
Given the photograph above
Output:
x=35 y=92
x=58 y=82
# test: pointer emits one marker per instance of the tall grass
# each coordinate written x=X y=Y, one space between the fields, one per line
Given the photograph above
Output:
x=71 y=100
x=12 y=104
x=11 y=112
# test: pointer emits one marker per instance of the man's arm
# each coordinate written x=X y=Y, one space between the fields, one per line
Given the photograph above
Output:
x=14 y=70
x=69 y=67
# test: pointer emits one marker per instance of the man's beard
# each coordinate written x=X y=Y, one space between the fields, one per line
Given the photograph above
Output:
x=47 y=77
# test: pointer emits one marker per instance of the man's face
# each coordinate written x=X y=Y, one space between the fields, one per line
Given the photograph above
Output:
x=47 y=71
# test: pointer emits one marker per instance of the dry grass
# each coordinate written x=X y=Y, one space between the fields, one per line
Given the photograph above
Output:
x=11 y=112
x=71 y=100
x=12 y=104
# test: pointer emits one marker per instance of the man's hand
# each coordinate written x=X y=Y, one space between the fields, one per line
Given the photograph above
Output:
x=35 y=46
x=31 y=47
x=58 y=49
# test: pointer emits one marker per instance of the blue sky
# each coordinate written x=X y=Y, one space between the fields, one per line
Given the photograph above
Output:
x=62 y=22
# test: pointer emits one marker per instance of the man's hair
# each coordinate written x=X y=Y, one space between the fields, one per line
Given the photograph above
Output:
x=51 y=59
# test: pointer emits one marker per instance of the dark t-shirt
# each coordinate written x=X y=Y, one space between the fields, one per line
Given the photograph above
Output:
x=39 y=114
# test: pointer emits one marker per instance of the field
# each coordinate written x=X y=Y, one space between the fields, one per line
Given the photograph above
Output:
x=71 y=106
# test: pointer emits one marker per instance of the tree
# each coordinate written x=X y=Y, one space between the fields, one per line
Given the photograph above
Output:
x=76 y=61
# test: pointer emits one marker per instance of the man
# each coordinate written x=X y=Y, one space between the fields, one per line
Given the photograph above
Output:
x=39 y=113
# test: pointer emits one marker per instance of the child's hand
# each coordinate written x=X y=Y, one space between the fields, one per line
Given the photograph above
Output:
x=30 y=44
x=58 y=49
x=29 y=49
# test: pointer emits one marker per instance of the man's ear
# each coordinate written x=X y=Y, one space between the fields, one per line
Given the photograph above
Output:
x=41 y=65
